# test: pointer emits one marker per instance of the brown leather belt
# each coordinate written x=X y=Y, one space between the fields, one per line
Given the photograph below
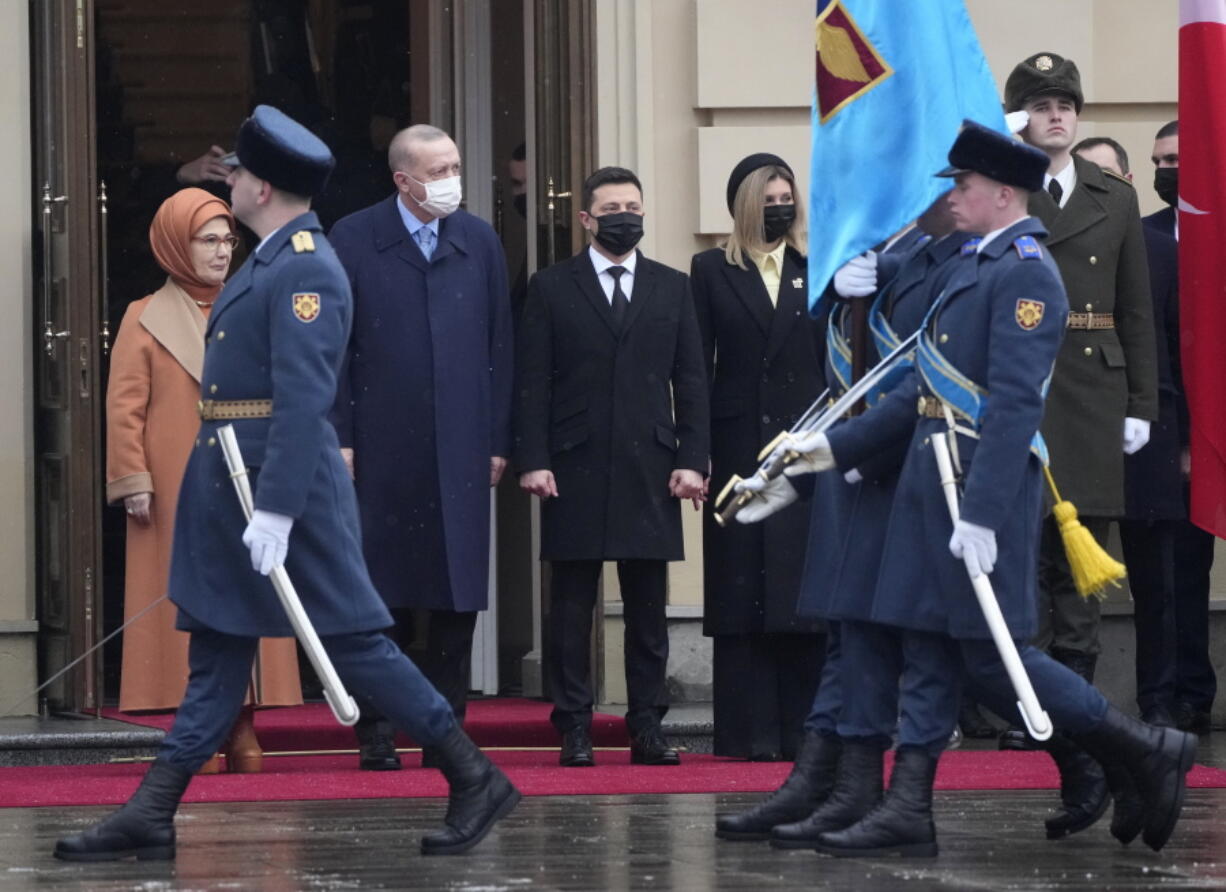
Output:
x=931 y=407
x=1091 y=321
x=228 y=410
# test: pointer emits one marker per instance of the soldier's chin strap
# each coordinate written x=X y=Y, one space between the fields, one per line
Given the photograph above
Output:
x=54 y=678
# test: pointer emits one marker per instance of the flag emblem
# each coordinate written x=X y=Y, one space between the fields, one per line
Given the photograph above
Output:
x=1029 y=314
x=306 y=306
x=848 y=65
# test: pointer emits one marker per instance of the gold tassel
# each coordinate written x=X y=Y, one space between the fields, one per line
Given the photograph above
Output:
x=1093 y=569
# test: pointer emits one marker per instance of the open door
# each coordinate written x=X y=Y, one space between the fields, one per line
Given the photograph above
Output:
x=72 y=341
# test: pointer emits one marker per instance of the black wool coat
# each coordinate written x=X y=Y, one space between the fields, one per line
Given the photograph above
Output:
x=764 y=364
x=612 y=413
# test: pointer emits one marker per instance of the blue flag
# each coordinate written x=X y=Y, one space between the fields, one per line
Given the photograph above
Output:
x=893 y=82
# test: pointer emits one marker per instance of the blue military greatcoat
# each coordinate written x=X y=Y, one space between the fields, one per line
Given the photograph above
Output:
x=845 y=546
x=277 y=332
x=999 y=322
x=425 y=401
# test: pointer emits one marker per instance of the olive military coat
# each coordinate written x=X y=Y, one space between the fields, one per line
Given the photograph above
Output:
x=1105 y=375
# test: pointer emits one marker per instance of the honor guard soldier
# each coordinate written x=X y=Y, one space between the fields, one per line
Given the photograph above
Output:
x=985 y=356
x=274 y=345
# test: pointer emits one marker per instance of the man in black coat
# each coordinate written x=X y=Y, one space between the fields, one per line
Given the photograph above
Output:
x=611 y=432
x=1195 y=680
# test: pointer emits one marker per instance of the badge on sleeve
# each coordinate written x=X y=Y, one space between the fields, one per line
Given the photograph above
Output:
x=1028 y=314
x=306 y=306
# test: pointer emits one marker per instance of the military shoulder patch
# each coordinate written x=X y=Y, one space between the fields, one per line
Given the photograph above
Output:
x=303 y=242
x=306 y=306
x=970 y=246
x=1028 y=314
x=1028 y=248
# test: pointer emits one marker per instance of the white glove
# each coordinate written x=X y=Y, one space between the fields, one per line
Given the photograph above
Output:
x=773 y=496
x=267 y=535
x=857 y=277
x=853 y=476
x=976 y=545
x=1017 y=121
x=815 y=454
x=1136 y=434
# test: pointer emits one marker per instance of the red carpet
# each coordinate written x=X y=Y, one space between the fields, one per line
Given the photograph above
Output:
x=535 y=772
x=500 y=721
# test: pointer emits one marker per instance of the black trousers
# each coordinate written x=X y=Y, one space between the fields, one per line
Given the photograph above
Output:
x=764 y=685
x=572 y=600
x=1195 y=680
x=446 y=660
x=1149 y=554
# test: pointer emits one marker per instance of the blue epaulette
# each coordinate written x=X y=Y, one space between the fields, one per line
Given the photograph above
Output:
x=1028 y=247
x=970 y=246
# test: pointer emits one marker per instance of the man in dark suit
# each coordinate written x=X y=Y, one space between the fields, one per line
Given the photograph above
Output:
x=1103 y=393
x=423 y=407
x=611 y=433
x=1195 y=680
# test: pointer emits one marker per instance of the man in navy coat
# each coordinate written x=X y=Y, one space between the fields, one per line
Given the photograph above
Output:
x=423 y=406
x=274 y=346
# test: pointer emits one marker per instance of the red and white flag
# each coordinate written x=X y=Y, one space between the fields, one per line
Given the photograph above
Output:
x=1202 y=244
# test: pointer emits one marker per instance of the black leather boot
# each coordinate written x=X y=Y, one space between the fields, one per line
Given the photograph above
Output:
x=1084 y=796
x=377 y=744
x=805 y=788
x=857 y=788
x=480 y=795
x=902 y=823
x=1157 y=760
x=144 y=826
x=1128 y=814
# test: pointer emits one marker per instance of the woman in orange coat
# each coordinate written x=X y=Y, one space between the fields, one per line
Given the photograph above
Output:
x=151 y=425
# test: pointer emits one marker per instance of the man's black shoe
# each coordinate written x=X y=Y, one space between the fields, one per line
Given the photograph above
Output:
x=576 y=749
x=972 y=722
x=1189 y=718
x=1158 y=716
x=649 y=748
x=376 y=746
x=1016 y=739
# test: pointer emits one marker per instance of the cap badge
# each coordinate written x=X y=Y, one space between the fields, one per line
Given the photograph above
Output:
x=1044 y=63
x=306 y=306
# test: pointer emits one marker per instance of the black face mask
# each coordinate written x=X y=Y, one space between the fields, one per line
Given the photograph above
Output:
x=619 y=233
x=1166 y=184
x=777 y=219
x=520 y=202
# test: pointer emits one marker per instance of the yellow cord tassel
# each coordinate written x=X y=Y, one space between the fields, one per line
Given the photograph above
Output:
x=1093 y=568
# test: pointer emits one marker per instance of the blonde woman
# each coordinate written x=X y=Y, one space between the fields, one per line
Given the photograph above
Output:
x=764 y=363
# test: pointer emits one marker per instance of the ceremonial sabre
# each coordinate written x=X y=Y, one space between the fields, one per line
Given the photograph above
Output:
x=343 y=706
x=1038 y=724
x=815 y=420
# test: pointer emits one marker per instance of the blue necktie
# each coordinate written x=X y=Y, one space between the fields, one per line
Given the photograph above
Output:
x=425 y=241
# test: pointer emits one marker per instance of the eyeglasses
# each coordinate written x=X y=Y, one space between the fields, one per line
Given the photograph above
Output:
x=214 y=242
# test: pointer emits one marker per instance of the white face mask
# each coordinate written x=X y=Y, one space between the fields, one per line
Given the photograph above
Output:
x=442 y=196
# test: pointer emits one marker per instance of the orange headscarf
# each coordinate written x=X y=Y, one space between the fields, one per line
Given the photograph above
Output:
x=170 y=236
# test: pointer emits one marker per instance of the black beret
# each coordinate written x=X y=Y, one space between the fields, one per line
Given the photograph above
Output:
x=997 y=157
x=1041 y=75
x=276 y=148
x=748 y=165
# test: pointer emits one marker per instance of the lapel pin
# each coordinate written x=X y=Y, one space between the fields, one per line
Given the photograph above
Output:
x=798 y=282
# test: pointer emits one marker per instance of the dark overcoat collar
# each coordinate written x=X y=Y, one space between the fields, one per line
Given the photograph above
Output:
x=589 y=284
x=390 y=234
